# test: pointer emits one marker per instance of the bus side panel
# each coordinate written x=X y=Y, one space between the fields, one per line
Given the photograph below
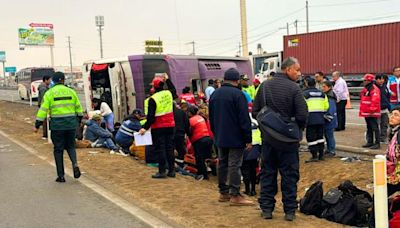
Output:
x=86 y=86
x=182 y=72
x=130 y=86
x=135 y=62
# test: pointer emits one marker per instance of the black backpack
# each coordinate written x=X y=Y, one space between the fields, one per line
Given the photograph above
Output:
x=343 y=211
x=310 y=204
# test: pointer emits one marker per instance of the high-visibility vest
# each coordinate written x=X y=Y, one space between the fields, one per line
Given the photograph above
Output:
x=146 y=105
x=256 y=137
x=63 y=106
x=317 y=103
x=164 y=110
x=250 y=90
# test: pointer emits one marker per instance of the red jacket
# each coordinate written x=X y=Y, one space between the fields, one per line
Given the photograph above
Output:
x=199 y=128
x=370 y=103
x=188 y=97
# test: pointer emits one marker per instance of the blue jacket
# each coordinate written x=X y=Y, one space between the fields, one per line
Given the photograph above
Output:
x=229 y=117
x=94 y=131
x=385 y=96
x=124 y=135
x=331 y=111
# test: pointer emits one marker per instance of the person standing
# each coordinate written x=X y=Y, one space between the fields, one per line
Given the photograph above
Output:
x=319 y=80
x=318 y=104
x=43 y=87
x=210 y=89
x=370 y=109
x=342 y=93
x=394 y=86
x=244 y=82
x=231 y=125
x=381 y=82
x=106 y=112
x=182 y=128
x=330 y=120
x=283 y=95
x=65 y=112
x=160 y=118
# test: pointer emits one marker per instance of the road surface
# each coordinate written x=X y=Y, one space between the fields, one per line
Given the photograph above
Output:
x=31 y=198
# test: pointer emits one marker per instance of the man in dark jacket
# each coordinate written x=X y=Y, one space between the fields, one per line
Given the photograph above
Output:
x=283 y=95
x=231 y=125
x=182 y=128
x=43 y=87
x=381 y=82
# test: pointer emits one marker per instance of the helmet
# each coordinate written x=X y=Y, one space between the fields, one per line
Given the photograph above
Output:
x=157 y=82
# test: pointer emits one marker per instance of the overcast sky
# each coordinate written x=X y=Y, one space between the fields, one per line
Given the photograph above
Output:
x=213 y=24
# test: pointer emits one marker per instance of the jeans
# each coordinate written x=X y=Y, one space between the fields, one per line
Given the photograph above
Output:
x=341 y=114
x=229 y=175
x=202 y=151
x=164 y=148
x=286 y=160
x=330 y=141
x=63 y=139
x=372 y=130
x=109 y=119
x=107 y=143
x=383 y=126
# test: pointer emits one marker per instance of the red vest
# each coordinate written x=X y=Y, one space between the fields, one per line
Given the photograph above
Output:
x=164 y=110
x=188 y=97
x=199 y=128
x=370 y=106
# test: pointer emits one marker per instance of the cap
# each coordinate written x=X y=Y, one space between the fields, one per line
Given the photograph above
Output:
x=58 y=76
x=138 y=112
x=244 y=77
x=96 y=117
x=256 y=81
x=158 y=82
x=232 y=75
x=369 y=77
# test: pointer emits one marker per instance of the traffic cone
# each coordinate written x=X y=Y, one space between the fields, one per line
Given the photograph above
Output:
x=348 y=104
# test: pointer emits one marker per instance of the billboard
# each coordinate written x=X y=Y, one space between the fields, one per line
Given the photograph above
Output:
x=2 y=56
x=37 y=36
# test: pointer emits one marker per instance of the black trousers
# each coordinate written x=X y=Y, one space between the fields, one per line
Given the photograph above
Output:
x=372 y=130
x=180 y=147
x=63 y=139
x=341 y=114
x=286 y=160
x=163 y=142
x=315 y=139
x=202 y=151
x=249 y=173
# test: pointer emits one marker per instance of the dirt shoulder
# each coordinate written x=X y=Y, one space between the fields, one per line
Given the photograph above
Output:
x=182 y=200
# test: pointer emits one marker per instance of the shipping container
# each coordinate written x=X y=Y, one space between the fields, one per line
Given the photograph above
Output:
x=353 y=51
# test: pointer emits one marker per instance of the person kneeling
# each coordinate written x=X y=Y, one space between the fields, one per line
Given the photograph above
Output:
x=100 y=137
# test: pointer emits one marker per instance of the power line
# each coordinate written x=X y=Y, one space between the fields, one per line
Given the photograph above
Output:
x=359 y=19
x=349 y=3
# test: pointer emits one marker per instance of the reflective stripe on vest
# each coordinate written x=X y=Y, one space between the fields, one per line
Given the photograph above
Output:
x=146 y=105
x=164 y=110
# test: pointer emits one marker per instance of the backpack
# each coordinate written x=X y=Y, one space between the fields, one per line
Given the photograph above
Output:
x=339 y=207
x=310 y=204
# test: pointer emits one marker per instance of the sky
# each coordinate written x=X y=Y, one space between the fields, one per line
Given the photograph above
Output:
x=214 y=25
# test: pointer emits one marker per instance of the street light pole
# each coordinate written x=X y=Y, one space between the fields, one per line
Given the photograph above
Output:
x=243 y=19
x=100 y=24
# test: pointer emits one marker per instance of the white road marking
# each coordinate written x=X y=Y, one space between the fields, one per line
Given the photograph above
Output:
x=139 y=213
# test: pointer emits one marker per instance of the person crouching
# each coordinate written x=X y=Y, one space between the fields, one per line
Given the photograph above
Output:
x=131 y=124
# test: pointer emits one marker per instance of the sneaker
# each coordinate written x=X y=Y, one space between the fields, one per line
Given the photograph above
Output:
x=171 y=174
x=266 y=214
x=159 y=176
x=290 y=217
x=367 y=145
x=330 y=155
x=312 y=160
x=60 y=179
x=122 y=153
x=44 y=138
x=223 y=197
x=112 y=152
x=199 y=177
x=239 y=200
x=375 y=147
x=77 y=172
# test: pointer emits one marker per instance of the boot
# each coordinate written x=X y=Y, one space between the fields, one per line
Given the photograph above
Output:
x=240 y=201
x=247 y=188
x=266 y=214
x=367 y=145
x=314 y=158
x=159 y=176
x=290 y=217
x=375 y=146
x=253 y=189
x=224 y=198
x=321 y=156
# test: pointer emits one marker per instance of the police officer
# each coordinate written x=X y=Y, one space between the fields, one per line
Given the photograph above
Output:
x=318 y=104
x=65 y=111
x=244 y=82
x=160 y=118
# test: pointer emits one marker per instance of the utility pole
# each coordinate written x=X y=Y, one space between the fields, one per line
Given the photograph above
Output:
x=295 y=25
x=70 y=55
x=243 y=19
x=193 y=47
x=100 y=24
x=287 y=28
x=307 y=15
x=240 y=49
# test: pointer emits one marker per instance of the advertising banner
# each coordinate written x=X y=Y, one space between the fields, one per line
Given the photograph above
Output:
x=37 y=36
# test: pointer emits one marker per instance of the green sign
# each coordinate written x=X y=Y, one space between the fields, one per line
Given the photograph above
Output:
x=11 y=69
x=37 y=36
x=154 y=49
x=2 y=56
x=153 y=43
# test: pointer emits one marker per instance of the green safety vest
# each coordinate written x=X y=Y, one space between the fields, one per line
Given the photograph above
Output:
x=142 y=122
x=256 y=137
x=63 y=106
x=250 y=90
x=317 y=104
x=146 y=105
x=164 y=102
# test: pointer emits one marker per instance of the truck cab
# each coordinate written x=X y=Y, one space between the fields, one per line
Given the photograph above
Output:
x=271 y=63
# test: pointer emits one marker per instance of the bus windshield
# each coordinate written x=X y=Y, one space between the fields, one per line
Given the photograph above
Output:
x=37 y=74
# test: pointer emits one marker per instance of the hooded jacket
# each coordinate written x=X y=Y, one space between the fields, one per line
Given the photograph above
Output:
x=370 y=101
x=94 y=131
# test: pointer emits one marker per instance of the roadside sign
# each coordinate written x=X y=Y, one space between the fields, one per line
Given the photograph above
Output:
x=11 y=69
x=153 y=46
x=37 y=36
x=2 y=56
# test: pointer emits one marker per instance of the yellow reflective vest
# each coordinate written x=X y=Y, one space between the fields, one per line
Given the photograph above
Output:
x=63 y=106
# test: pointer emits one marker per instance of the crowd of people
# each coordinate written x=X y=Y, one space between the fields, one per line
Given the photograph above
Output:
x=228 y=126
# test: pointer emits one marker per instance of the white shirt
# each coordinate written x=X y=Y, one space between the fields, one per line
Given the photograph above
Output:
x=105 y=109
x=341 y=89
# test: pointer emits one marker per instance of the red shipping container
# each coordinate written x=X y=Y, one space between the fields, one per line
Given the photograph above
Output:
x=359 y=50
